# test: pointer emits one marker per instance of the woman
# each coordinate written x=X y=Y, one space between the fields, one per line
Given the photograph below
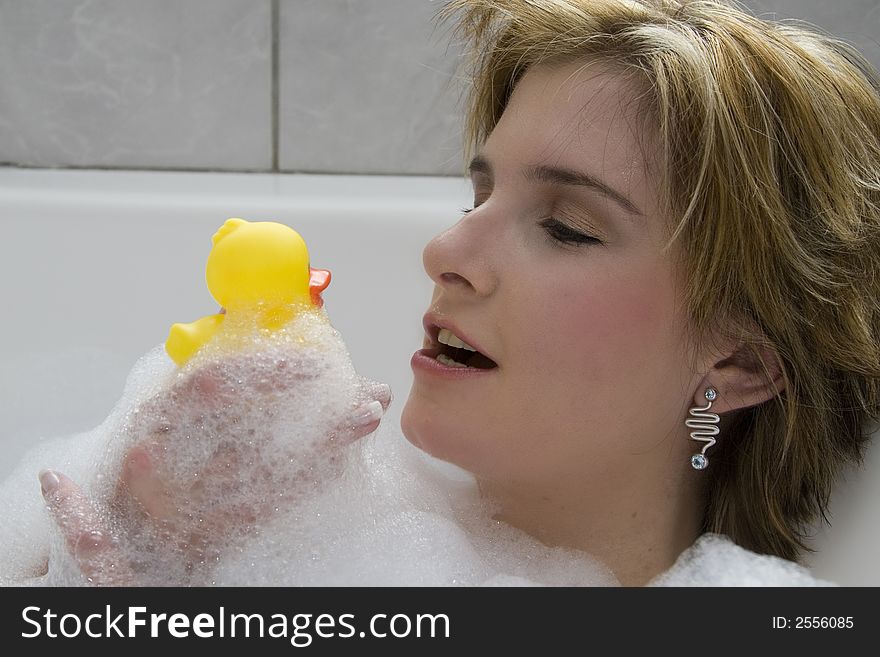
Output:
x=670 y=198
x=676 y=214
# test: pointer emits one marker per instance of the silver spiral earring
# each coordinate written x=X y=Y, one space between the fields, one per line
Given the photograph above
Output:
x=705 y=428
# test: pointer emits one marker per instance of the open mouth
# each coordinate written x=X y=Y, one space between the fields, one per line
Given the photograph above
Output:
x=453 y=352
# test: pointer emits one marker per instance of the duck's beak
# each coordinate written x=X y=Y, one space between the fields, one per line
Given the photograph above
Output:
x=319 y=279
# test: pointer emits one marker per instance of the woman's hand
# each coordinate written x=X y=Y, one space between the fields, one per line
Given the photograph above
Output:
x=188 y=519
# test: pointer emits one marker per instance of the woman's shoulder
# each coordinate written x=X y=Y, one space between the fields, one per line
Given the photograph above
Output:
x=715 y=560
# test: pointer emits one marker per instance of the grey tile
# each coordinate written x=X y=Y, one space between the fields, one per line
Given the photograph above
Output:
x=127 y=83
x=854 y=21
x=366 y=87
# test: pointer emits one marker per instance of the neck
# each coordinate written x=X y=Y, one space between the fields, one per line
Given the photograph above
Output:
x=636 y=525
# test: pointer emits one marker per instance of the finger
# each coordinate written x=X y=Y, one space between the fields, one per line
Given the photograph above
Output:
x=363 y=421
x=220 y=383
x=204 y=385
x=144 y=485
x=381 y=392
x=88 y=540
x=282 y=373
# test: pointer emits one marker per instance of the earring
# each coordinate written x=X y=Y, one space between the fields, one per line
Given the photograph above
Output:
x=705 y=426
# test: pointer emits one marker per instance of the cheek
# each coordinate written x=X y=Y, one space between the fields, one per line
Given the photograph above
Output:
x=606 y=334
x=595 y=378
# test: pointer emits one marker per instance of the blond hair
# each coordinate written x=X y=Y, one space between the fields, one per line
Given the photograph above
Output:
x=770 y=177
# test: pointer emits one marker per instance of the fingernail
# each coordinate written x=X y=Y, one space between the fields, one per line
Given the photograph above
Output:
x=367 y=414
x=49 y=481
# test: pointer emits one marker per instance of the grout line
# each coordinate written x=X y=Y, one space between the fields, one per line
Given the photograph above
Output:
x=173 y=169
x=275 y=64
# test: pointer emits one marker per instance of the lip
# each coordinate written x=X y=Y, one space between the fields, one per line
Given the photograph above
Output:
x=424 y=360
x=433 y=323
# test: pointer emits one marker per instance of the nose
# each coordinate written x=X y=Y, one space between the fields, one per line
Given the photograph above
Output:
x=460 y=259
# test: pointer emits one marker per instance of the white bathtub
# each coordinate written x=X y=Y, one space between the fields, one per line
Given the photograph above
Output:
x=96 y=265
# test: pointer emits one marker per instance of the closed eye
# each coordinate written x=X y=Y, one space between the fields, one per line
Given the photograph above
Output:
x=562 y=233
x=558 y=231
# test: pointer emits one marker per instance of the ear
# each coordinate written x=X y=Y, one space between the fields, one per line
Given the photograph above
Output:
x=747 y=376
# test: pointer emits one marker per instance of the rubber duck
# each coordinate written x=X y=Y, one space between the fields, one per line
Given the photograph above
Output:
x=260 y=268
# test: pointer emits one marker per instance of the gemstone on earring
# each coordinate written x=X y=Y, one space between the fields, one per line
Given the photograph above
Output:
x=711 y=394
x=699 y=461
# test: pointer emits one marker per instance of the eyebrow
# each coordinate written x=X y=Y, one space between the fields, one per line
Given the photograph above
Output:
x=560 y=176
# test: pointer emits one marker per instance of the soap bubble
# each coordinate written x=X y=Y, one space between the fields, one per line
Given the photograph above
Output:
x=259 y=485
x=396 y=517
x=225 y=441
x=715 y=560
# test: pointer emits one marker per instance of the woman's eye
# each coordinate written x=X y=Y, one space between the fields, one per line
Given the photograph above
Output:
x=562 y=233
x=557 y=230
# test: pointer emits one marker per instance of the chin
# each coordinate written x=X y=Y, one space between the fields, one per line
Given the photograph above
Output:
x=417 y=425
x=410 y=426
x=430 y=430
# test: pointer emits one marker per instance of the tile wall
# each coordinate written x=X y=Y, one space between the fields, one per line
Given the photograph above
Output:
x=340 y=86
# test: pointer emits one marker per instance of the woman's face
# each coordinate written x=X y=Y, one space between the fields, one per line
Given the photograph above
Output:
x=557 y=275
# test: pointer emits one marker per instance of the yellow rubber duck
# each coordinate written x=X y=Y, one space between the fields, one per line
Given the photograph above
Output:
x=261 y=268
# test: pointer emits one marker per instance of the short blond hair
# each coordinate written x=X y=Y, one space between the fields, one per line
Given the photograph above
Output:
x=769 y=135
